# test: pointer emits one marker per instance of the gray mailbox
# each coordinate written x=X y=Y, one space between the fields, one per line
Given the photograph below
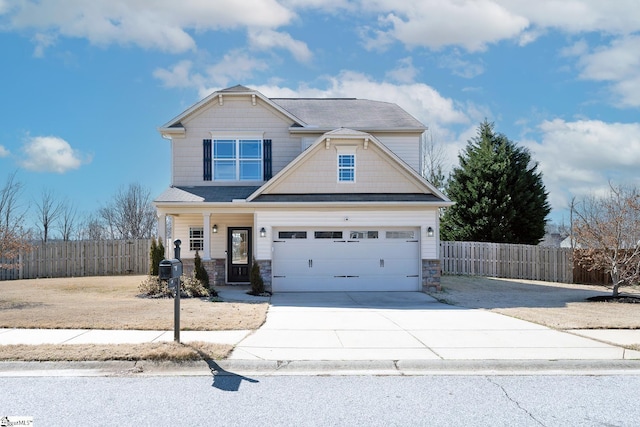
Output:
x=170 y=269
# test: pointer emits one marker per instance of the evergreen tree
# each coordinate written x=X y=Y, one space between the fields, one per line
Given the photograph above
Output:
x=499 y=194
x=156 y=254
x=200 y=272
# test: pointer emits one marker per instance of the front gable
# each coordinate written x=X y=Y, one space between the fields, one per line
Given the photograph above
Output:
x=376 y=170
x=244 y=115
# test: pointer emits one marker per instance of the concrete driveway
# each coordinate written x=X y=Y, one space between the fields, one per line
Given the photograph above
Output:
x=404 y=326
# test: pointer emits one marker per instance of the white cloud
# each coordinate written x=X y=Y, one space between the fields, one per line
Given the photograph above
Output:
x=264 y=39
x=578 y=16
x=471 y=24
x=51 y=154
x=618 y=63
x=154 y=24
x=578 y=48
x=405 y=72
x=179 y=75
x=4 y=152
x=580 y=157
x=460 y=67
x=233 y=68
x=326 y=5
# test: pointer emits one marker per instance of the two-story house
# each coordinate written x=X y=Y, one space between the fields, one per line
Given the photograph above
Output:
x=324 y=194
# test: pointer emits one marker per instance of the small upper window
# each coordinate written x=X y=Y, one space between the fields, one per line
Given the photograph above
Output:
x=346 y=167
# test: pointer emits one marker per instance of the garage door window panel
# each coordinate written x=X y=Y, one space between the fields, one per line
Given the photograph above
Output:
x=403 y=234
x=327 y=234
x=363 y=235
x=292 y=235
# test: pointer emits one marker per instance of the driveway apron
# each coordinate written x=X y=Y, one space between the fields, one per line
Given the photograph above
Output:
x=403 y=326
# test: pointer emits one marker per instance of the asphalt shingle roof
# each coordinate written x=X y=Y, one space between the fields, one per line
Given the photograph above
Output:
x=347 y=197
x=209 y=194
x=224 y=194
x=360 y=114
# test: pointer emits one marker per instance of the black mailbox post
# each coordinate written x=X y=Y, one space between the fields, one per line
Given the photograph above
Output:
x=171 y=270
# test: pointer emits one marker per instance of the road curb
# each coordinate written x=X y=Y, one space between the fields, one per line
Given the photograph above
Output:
x=319 y=368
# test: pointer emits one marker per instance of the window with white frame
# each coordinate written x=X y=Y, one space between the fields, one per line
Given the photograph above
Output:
x=237 y=159
x=346 y=167
x=196 y=238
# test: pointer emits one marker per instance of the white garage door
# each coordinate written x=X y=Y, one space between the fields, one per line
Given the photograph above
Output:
x=346 y=260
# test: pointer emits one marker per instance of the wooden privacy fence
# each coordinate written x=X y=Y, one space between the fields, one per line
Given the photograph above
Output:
x=507 y=260
x=80 y=258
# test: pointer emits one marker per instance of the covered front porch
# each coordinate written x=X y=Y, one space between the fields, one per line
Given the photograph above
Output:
x=225 y=241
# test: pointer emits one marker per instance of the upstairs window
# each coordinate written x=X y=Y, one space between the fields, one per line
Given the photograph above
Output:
x=346 y=167
x=237 y=160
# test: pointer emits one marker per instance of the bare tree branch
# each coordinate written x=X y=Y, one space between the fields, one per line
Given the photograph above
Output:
x=433 y=160
x=130 y=215
x=49 y=211
x=13 y=237
x=606 y=231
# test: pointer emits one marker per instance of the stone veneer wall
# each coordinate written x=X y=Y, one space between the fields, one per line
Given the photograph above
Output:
x=431 y=272
x=215 y=268
x=265 y=272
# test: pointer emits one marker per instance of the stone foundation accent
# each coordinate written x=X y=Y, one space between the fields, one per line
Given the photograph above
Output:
x=215 y=268
x=265 y=272
x=217 y=271
x=431 y=272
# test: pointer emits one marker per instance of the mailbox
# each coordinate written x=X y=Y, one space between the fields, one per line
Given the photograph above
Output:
x=170 y=269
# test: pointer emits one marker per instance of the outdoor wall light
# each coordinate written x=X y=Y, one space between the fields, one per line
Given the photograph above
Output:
x=430 y=231
x=263 y=232
x=215 y=228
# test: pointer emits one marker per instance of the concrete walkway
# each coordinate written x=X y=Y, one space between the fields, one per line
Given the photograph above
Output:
x=352 y=326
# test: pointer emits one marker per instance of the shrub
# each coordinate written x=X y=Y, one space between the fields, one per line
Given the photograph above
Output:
x=153 y=287
x=190 y=286
x=257 y=284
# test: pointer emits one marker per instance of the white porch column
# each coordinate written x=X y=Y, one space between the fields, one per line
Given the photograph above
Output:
x=206 y=256
x=162 y=231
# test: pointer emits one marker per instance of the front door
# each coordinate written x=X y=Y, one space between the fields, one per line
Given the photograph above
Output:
x=238 y=254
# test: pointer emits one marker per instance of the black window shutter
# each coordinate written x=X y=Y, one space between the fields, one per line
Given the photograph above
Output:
x=266 y=159
x=206 y=159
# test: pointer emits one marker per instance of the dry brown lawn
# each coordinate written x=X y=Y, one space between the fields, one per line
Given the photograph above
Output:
x=113 y=303
x=94 y=352
x=556 y=305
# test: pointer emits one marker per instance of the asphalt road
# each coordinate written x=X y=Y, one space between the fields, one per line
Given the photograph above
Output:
x=559 y=400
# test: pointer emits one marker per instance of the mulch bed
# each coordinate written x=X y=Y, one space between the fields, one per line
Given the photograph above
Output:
x=627 y=299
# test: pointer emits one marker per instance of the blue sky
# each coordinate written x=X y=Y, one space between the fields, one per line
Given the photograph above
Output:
x=86 y=84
